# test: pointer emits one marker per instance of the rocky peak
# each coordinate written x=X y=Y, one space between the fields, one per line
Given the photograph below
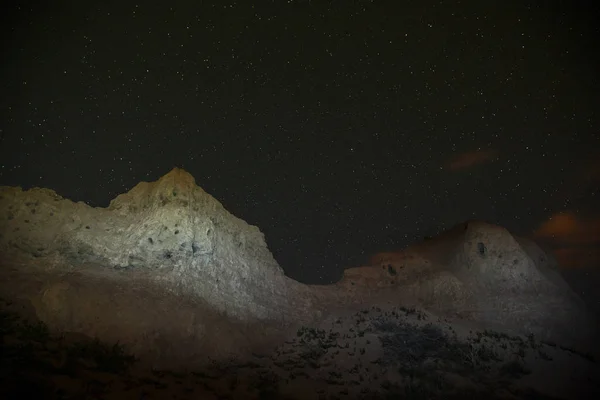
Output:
x=183 y=239
x=170 y=226
x=166 y=189
x=484 y=273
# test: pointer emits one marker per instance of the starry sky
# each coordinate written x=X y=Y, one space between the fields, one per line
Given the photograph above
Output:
x=339 y=128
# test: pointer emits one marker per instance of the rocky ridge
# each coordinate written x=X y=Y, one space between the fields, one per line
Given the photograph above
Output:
x=167 y=271
x=171 y=228
x=479 y=271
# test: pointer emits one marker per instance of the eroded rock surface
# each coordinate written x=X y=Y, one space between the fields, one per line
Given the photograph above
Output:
x=168 y=271
x=170 y=226
x=480 y=272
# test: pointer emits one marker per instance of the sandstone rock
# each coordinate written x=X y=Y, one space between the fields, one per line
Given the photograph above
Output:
x=480 y=271
x=170 y=226
x=168 y=271
x=510 y=289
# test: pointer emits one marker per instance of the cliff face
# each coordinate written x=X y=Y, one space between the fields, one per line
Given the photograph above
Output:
x=170 y=227
x=166 y=269
x=482 y=272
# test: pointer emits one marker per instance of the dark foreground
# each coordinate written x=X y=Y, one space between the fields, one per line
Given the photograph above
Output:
x=415 y=362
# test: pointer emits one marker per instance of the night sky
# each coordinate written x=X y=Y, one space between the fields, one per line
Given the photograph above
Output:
x=339 y=128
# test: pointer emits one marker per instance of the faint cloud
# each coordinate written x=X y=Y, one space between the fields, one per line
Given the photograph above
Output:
x=470 y=159
x=575 y=241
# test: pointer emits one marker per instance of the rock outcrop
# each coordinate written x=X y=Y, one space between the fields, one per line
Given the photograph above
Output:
x=171 y=230
x=480 y=272
x=167 y=270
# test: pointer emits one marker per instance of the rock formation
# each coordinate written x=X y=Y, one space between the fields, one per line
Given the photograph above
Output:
x=167 y=270
x=480 y=272
x=170 y=227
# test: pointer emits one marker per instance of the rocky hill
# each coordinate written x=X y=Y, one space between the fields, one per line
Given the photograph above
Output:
x=481 y=272
x=168 y=273
x=171 y=230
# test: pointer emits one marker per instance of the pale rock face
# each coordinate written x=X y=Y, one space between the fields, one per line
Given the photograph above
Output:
x=170 y=226
x=171 y=236
x=481 y=272
x=24 y=215
x=509 y=288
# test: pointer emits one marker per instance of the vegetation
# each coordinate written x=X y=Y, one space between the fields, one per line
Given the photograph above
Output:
x=30 y=354
x=373 y=354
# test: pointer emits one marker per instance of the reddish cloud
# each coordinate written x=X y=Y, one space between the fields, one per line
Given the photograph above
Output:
x=575 y=241
x=471 y=159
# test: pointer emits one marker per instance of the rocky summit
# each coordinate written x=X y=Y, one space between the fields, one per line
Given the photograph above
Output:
x=481 y=272
x=180 y=283
x=170 y=229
